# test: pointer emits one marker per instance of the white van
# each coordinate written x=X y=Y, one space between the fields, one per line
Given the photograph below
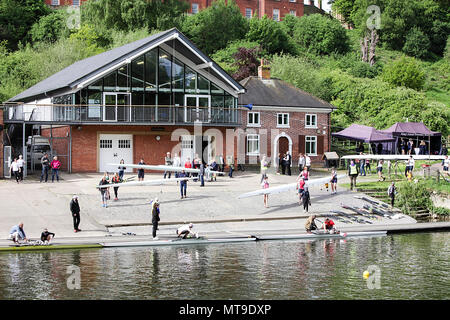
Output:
x=37 y=146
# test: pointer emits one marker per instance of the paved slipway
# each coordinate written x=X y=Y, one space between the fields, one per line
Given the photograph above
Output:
x=214 y=209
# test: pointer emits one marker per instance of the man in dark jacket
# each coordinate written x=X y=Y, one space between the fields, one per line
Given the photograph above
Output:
x=45 y=162
x=75 y=209
x=155 y=217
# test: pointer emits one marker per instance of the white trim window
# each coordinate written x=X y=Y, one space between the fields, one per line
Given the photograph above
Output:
x=248 y=13
x=76 y=3
x=194 y=8
x=282 y=120
x=55 y=2
x=311 y=145
x=276 y=14
x=253 y=144
x=253 y=119
x=293 y=13
x=311 y=121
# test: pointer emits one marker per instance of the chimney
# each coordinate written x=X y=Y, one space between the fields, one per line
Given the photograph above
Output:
x=264 y=70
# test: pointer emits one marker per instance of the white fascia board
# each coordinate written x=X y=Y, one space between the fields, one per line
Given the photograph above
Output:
x=292 y=109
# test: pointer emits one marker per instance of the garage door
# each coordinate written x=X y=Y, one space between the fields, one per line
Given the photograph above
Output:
x=113 y=148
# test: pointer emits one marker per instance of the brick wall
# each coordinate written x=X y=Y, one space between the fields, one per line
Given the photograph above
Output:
x=1 y=142
x=268 y=120
x=59 y=143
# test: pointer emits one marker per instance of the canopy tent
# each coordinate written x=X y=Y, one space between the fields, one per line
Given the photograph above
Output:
x=416 y=131
x=367 y=134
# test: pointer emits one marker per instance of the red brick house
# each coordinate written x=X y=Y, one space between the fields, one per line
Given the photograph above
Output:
x=56 y=3
x=283 y=118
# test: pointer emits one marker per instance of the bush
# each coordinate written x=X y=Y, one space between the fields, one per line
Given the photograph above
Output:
x=417 y=44
x=269 y=34
x=404 y=72
x=224 y=57
x=321 y=35
x=412 y=196
x=51 y=27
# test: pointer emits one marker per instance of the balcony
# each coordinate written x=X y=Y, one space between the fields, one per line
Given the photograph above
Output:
x=136 y=115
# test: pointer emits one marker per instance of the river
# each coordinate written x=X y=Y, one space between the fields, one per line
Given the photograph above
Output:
x=405 y=266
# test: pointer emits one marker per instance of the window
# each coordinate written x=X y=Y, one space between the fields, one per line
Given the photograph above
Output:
x=292 y=0
x=248 y=13
x=276 y=15
x=55 y=2
x=311 y=145
x=194 y=8
x=76 y=3
x=105 y=144
x=293 y=13
x=311 y=121
x=253 y=144
x=283 y=120
x=124 y=144
x=253 y=119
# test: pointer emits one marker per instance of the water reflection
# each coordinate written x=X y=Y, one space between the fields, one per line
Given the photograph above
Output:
x=412 y=266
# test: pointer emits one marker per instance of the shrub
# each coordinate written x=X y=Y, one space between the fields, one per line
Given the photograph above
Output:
x=224 y=57
x=321 y=35
x=404 y=72
x=269 y=34
x=417 y=44
x=51 y=27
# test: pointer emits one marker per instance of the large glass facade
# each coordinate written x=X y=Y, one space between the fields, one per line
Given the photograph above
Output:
x=152 y=88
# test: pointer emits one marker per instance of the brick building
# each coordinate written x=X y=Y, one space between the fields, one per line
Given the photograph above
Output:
x=141 y=100
x=283 y=118
x=56 y=3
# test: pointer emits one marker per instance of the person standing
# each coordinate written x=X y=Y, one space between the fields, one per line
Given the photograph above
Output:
x=183 y=184
x=301 y=162
x=188 y=165
x=283 y=163
x=362 y=163
x=141 y=171
x=20 y=163
x=116 y=179
x=403 y=146
x=55 y=165
x=155 y=217
x=168 y=162
x=221 y=163
x=392 y=190
x=265 y=185
x=300 y=188
x=104 y=192
x=75 y=210
x=45 y=162
x=353 y=173
x=410 y=146
x=202 y=174
x=306 y=199
x=288 y=161
x=230 y=165
x=305 y=174
x=264 y=166
x=176 y=163
x=368 y=170
x=333 y=181
x=15 y=170
x=308 y=162
x=445 y=164
x=280 y=162
x=380 y=171
x=121 y=169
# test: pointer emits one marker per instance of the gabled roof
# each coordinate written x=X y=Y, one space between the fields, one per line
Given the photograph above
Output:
x=410 y=128
x=83 y=70
x=363 y=133
x=275 y=92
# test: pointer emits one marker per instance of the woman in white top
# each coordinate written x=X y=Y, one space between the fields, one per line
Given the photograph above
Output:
x=380 y=171
x=20 y=163
x=15 y=169
x=308 y=162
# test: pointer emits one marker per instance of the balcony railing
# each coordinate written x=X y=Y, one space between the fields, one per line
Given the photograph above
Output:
x=121 y=114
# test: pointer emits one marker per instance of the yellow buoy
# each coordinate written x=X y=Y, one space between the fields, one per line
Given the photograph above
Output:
x=366 y=274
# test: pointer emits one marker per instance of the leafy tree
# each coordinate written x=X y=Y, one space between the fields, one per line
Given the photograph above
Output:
x=247 y=63
x=345 y=9
x=404 y=72
x=17 y=17
x=321 y=35
x=225 y=57
x=417 y=44
x=214 y=27
x=288 y=24
x=51 y=27
x=269 y=34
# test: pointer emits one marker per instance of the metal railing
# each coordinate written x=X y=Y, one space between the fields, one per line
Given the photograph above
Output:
x=167 y=114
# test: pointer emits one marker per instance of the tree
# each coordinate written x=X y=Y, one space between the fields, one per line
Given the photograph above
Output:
x=417 y=44
x=345 y=9
x=214 y=27
x=225 y=57
x=51 y=27
x=247 y=63
x=321 y=35
x=17 y=18
x=404 y=72
x=269 y=34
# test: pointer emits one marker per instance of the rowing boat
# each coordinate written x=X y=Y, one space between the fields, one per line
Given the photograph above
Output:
x=316 y=236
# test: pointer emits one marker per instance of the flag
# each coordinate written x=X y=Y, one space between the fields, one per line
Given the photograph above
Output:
x=249 y=106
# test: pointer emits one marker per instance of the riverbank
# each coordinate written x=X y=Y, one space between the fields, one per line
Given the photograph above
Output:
x=214 y=209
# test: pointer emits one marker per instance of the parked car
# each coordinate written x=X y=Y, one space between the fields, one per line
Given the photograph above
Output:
x=37 y=146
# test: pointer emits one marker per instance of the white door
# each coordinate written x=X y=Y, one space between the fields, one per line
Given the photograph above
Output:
x=187 y=149
x=113 y=148
x=116 y=106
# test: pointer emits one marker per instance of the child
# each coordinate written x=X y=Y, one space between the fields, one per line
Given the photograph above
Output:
x=306 y=200
x=265 y=185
